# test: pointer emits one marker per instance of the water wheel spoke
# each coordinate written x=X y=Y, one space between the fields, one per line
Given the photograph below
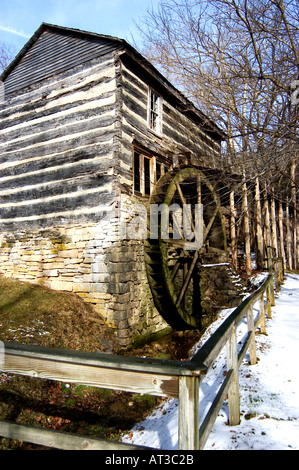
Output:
x=187 y=279
x=179 y=189
x=183 y=199
x=177 y=226
x=211 y=221
x=175 y=268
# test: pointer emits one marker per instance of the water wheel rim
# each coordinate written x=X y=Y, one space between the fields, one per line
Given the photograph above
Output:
x=165 y=190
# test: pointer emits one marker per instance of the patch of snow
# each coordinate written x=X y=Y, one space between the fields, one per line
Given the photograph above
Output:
x=269 y=390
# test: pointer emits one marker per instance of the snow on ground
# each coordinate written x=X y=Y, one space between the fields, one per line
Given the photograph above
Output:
x=269 y=390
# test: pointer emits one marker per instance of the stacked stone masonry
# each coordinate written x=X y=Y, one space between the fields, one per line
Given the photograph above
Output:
x=92 y=262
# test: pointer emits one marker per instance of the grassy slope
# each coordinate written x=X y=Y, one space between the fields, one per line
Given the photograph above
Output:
x=37 y=315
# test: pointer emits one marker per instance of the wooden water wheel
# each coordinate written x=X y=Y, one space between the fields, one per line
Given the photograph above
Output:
x=173 y=262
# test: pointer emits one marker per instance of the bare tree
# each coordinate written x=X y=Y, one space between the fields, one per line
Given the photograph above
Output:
x=7 y=53
x=237 y=60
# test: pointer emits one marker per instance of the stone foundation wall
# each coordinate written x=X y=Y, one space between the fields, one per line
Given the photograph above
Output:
x=92 y=262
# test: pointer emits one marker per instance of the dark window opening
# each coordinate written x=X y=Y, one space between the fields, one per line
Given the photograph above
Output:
x=147 y=171
x=147 y=176
x=137 y=171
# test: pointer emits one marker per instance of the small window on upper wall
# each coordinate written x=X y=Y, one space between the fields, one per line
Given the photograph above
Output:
x=155 y=112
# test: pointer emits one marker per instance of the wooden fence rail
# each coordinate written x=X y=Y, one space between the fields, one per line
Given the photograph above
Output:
x=177 y=379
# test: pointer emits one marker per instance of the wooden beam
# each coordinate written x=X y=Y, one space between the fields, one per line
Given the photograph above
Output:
x=262 y=314
x=113 y=379
x=135 y=375
x=188 y=413
x=208 y=423
x=252 y=346
x=61 y=440
x=212 y=347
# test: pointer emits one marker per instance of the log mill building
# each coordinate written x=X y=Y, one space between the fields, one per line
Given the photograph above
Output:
x=85 y=121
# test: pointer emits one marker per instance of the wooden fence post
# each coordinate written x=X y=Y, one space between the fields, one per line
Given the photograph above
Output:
x=233 y=392
x=270 y=268
x=262 y=314
x=251 y=329
x=280 y=270
x=188 y=413
x=268 y=304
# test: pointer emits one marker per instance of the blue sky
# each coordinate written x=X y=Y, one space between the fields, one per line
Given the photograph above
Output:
x=19 y=19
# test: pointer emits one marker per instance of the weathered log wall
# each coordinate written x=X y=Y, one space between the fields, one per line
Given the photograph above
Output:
x=180 y=134
x=55 y=139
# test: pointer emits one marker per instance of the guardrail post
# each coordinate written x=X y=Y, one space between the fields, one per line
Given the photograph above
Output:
x=269 y=302
x=188 y=413
x=262 y=314
x=233 y=392
x=280 y=270
x=251 y=329
x=270 y=268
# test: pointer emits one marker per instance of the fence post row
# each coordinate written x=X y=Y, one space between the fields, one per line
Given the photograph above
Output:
x=178 y=379
x=230 y=386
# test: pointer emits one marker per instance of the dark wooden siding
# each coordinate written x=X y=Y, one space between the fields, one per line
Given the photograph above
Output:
x=54 y=53
x=58 y=149
x=180 y=134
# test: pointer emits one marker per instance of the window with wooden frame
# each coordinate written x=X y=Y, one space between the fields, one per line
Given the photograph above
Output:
x=147 y=170
x=154 y=112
